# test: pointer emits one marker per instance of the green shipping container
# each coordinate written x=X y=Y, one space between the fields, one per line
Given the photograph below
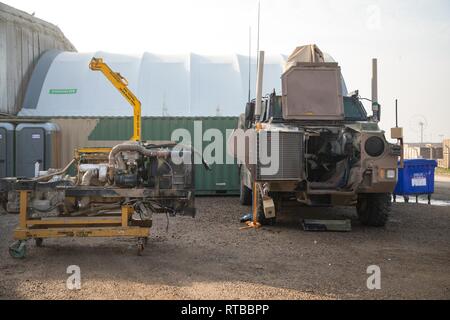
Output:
x=221 y=179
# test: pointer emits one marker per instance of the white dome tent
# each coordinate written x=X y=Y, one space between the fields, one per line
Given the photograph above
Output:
x=176 y=85
x=62 y=85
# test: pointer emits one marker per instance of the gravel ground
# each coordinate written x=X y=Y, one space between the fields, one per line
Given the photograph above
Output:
x=208 y=257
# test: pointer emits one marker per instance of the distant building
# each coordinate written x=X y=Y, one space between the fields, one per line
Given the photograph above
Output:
x=424 y=150
x=23 y=38
x=445 y=161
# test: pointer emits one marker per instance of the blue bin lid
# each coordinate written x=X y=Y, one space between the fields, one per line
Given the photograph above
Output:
x=420 y=162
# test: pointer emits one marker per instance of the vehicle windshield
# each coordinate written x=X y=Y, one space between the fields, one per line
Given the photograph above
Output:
x=353 y=109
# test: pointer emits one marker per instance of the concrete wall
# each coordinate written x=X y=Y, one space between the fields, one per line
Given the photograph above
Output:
x=23 y=38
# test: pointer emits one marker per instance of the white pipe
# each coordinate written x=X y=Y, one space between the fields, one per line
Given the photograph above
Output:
x=259 y=84
x=89 y=166
x=87 y=177
x=101 y=168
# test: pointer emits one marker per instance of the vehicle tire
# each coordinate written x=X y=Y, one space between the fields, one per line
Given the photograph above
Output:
x=374 y=209
x=245 y=195
x=261 y=216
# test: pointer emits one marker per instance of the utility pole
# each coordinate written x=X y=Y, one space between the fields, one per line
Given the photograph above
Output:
x=421 y=124
x=257 y=39
x=396 y=113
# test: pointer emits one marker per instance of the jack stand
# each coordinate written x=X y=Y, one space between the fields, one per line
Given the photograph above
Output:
x=254 y=224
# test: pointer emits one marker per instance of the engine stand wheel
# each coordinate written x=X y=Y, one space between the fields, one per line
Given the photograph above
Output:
x=39 y=242
x=18 y=249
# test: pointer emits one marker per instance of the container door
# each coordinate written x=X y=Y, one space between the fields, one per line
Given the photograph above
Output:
x=30 y=148
x=3 y=157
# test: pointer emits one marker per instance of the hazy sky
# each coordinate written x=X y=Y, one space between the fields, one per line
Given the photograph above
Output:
x=411 y=39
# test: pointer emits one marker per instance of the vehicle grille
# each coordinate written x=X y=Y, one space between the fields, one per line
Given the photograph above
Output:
x=290 y=156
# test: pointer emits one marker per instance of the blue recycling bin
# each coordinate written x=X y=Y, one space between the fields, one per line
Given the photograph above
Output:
x=416 y=178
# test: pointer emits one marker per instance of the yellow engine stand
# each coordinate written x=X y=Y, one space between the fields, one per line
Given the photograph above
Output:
x=59 y=227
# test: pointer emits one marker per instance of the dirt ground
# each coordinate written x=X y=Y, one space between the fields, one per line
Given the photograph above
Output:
x=208 y=257
x=442 y=188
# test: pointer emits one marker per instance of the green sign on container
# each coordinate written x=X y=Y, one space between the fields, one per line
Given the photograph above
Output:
x=62 y=91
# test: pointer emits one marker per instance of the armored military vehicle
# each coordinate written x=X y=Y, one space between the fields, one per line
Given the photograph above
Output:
x=324 y=148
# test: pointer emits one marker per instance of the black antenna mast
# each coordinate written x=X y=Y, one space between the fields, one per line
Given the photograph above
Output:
x=249 y=59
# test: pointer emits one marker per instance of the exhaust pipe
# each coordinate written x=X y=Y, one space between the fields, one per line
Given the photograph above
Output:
x=259 y=83
x=376 y=110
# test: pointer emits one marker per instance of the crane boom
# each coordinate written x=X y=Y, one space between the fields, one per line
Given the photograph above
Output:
x=121 y=84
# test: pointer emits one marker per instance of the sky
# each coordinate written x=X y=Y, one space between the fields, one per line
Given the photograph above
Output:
x=410 y=38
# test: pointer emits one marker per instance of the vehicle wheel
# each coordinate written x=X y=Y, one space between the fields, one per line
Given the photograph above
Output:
x=39 y=242
x=245 y=195
x=260 y=214
x=373 y=209
x=18 y=249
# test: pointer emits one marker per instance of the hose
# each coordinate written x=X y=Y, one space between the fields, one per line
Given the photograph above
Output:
x=133 y=147
x=93 y=210
x=206 y=165
x=57 y=173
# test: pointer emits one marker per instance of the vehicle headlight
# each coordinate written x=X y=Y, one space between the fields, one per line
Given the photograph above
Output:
x=374 y=146
x=390 y=174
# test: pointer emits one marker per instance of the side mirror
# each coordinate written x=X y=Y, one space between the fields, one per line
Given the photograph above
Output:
x=376 y=111
x=397 y=133
x=249 y=113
